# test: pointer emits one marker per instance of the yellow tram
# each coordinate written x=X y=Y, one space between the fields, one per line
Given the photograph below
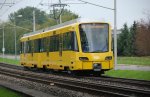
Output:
x=76 y=45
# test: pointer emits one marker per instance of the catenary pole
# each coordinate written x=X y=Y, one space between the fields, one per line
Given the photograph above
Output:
x=15 y=38
x=60 y=21
x=3 y=49
x=115 y=34
x=33 y=20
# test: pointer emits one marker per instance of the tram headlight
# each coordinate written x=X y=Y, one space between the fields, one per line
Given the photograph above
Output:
x=83 y=58
x=108 y=58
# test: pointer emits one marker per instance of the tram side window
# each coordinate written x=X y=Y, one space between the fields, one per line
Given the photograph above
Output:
x=70 y=41
x=51 y=44
x=37 y=44
x=21 y=47
x=41 y=45
x=45 y=42
x=54 y=43
x=31 y=46
x=28 y=47
x=66 y=41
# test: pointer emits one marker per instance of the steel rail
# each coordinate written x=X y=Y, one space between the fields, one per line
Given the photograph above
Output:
x=10 y=66
x=133 y=82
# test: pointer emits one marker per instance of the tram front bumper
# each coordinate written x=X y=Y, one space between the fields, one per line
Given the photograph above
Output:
x=96 y=66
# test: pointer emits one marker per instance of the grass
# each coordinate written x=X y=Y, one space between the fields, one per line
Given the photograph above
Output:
x=134 y=60
x=143 y=75
x=10 y=61
x=4 y=92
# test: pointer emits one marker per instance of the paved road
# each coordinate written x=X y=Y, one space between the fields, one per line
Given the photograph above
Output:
x=10 y=56
x=132 y=67
x=118 y=67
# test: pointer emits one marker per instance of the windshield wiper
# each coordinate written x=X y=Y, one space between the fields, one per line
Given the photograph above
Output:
x=97 y=51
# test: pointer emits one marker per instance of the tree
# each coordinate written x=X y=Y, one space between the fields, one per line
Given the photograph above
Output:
x=42 y=21
x=123 y=41
x=131 y=39
x=68 y=15
x=27 y=17
x=135 y=40
x=143 y=38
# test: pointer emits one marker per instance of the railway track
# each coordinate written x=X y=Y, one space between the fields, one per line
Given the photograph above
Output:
x=141 y=83
x=132 y=82
x=11 y=66
x=77 y=85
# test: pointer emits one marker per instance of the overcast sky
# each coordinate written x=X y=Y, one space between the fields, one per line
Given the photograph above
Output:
x=127 y=10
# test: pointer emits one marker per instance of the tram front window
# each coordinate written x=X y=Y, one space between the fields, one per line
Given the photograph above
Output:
x=94 y=37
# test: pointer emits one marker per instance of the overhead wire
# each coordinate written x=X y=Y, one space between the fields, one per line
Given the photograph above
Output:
x=10 y=7
x=96 y=5
x=13 y=3
x=39 y=3
x=3 y=4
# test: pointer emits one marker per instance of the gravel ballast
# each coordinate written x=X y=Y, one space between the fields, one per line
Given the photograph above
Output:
x=44 y=90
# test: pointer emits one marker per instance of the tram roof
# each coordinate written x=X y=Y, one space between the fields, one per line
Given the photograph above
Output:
x=78 y=20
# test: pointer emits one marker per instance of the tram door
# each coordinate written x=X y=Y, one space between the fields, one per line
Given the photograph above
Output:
x=67 y=47
x=28 y=52
x=22 y=52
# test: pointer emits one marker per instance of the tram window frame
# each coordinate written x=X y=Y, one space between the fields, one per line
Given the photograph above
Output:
x=75 y=42
x=20 y=47
x=24 y=49
x=35 y=44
